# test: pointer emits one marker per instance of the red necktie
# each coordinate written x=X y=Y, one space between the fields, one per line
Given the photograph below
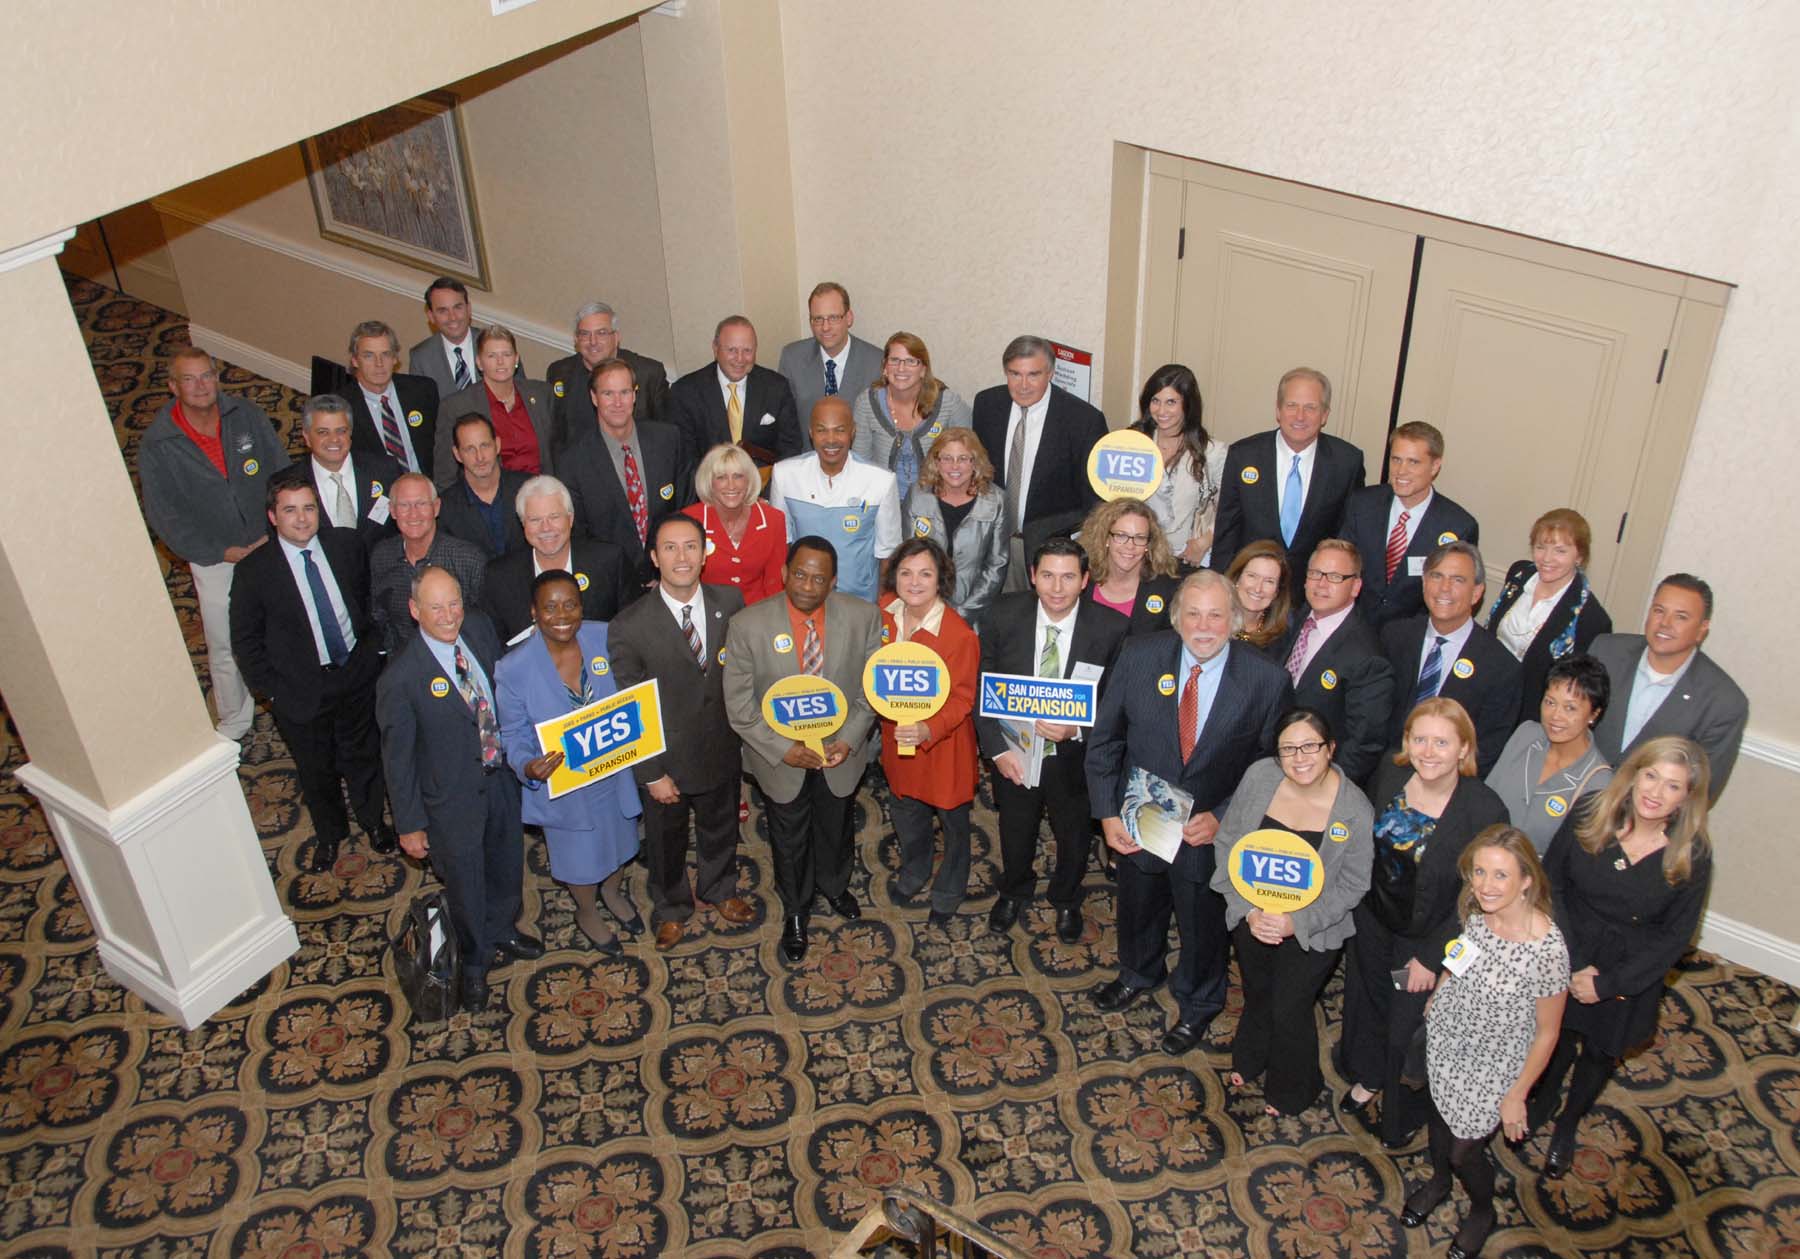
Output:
x=634 y=495
x=1397 y=544
x=1189 y=719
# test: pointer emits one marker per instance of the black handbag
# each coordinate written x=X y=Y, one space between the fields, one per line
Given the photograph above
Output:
x=427 y=960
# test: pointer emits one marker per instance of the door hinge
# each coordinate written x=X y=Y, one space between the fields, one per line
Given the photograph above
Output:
x=1622 y=519
x=1181 y=251
x=1662 y=364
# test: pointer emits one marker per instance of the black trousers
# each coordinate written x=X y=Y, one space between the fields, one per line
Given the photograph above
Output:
x=715 y=820
x=339 y=747
x=1146 y=897
x=810 y=837
x=1062 y=793
x=1278 y=1033
x=481 y=860
x=1379 y=1022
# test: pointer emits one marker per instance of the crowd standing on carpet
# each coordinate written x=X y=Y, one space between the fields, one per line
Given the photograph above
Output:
x=1510 y=817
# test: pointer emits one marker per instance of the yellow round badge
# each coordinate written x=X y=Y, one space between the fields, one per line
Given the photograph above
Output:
x=376 y=489
x=1166 y=684
x=1329 y=679
x=1155 y=603
x=1446 y=537
x=1338 y=832
x=666 y=493
x=599 y=666
x=557 y=389
x=805 y=708
x=1276 y=871
x=852 y=523
x=784 y=643
x=414 y=419
x=721 y=655
x=250 y=467
x=1125 y=464
x=711 y=546
x=1249 y=476
x=921 y=527
x=1556 y=806
x=1463 y=668
x=581 y=581
x=440 y=687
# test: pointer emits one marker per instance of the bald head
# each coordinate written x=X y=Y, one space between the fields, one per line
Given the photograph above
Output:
x=833 y=431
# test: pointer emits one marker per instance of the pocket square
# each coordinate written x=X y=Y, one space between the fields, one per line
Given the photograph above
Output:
x=768 y=418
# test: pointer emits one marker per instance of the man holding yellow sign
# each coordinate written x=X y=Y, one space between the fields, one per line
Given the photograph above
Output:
x=793 y=693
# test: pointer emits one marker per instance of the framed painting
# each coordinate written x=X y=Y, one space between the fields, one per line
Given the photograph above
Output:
x=397 y=184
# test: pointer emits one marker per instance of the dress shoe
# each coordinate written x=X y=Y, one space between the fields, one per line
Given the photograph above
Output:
x=383 y=839
x=1004 y=914
x=941 y=917
x=631 y=928
x=844 y=906
x=793 y=938
x=1421 y=1202
x=1184 y=1036
x=1068 y=924
x=1472 y=1236
x=1348 y=1104
x=736 y=910
x=474 y=993
x=1116 y=994
x=1562 y=1154
x=324 y=856
x=520 y=947
x=668 y=935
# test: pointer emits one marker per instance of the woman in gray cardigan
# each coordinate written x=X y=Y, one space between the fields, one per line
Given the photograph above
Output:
x=1284 y=959
x=955 y=504
x=900 y=415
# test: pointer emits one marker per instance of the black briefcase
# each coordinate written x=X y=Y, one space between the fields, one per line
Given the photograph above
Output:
x=427 y=960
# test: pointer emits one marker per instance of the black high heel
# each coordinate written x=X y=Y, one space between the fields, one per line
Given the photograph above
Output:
x=1422 y=1202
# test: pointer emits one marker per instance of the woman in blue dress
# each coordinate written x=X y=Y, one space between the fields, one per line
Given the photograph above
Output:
x=591 y=833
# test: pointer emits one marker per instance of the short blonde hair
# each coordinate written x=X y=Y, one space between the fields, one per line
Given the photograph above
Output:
x=1450 y=711
x=725 y=457
x=1158 y=558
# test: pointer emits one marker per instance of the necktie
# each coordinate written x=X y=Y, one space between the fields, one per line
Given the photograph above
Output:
x=1297 y=658
x=343 y=511
x=634 y=495
x=1050 y=666
x=1291 y=495
x=462 y=370
x=335 y=646
x=390 y=432
x=484 y=712
x=693 y=636
x=1433 y=671
x=1188 y=719
x=1396 y=548
x=812 y=653
x=830 y=378
x=1015 y=473
x=734 y=415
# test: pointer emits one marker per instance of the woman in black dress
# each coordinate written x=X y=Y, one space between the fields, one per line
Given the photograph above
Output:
x=1546 y=610
x=1630 y=876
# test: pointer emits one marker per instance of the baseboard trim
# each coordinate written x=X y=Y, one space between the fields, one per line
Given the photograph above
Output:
x=1751 y=946
x=243 y=354
x=1777 y=752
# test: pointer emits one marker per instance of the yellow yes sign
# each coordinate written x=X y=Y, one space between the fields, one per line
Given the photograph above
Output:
x=1276 y=871
x=1125 y=464
x=806 y=709
x=906 y=682
x=603 y=738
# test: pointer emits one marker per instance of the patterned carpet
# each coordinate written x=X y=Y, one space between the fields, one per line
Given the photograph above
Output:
x=714 y=1102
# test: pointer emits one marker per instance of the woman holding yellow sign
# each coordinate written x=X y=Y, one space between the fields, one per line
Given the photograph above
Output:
x=1290 y=912
x=591 y=832
x=939 y=776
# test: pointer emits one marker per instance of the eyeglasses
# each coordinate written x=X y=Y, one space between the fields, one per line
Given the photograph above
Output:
x=826 y=321
x=903 y=362
x=1129 y=539
x=1292 y=750
x=596 y=334
x=956 y=460
x=201 y=378
x=1319 y=574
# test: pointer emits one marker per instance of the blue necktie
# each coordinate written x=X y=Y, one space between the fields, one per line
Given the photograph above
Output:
x=830 y=378
x=335 y=646
x=1433 y=670
x=1291 y=495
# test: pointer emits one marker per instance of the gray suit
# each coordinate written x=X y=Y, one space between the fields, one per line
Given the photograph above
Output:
x=428 y=358
x=1705 y=706
x=473 y=401
x=803 y=363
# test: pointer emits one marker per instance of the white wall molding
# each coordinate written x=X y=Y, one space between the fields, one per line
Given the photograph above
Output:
x=243 y=354
x=1771 y=751
x=43 y=247
x=175 y=883
x=1751 y=946
x=558 y=341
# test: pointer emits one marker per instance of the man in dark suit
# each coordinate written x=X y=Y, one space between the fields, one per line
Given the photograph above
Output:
x=677 y=635
x=392 y=413
x=1662 y=683
x=302 y=634
x=596 y=340
x=1290 y=483
x=1395 y=526
x=447 y=357
x=352 y=488
x=1047 y=631
x=625 y=476
x=1186 y=707
x=1038 y=438
x=830 y=361
x=1335 y=660
x=454 y=801
x=733 y=400
x=547 y=514
x=1446 y=653
x=479 y=505
x=808 y=799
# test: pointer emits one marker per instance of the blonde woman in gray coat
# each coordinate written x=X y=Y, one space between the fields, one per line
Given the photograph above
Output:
x=1284 y=959
x=956 y=505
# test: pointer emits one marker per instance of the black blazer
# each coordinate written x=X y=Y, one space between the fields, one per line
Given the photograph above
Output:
x=1351 y=683
x=1473 y=807
x=572 y=404
x=375 y=476
x=1249 y=503
x=1366 y=524
x=430 y=746
x=473 y=401
x=1008 y=645
x=1490 y=692
x=1150 y=610
x=460 y=518
x=1060 y=495
x=1592 y=622
x=697 y=408
x=271 y=634
x=601 y=509
x=1139 y=725
x=418 y=411
x=646 y=642
x=600 y=570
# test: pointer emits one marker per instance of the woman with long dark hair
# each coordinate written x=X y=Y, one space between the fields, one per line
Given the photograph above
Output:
x=1170 y=413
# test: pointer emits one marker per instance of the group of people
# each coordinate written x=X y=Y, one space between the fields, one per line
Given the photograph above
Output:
x=1505 y=815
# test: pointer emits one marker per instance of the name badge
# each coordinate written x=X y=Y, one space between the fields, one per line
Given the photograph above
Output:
x=1415 y=566
x=1460 y=954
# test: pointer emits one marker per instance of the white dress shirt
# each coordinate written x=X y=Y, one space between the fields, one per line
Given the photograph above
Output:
x=328 y=491
x=338 y=609
x=1454 y=642
x=696 y=603
x=1414 y=516
x=1033 y=419
x=406 y=433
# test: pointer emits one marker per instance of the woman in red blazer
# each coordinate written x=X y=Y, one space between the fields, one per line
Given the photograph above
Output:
x=940 y=777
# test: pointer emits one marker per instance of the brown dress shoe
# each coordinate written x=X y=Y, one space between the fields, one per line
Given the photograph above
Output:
x=668 y=935
x=735 y=910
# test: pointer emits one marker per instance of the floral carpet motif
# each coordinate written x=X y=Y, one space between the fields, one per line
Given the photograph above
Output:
x=713 y=1101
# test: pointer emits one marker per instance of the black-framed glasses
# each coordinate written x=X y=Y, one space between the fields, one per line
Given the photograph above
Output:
x=1291 y=750
x=1335 y=579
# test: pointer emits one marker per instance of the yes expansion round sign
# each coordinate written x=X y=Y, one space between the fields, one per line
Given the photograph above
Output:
x=1276 y=871
x=1125 y=464
x=806 y=709
x=906 y=682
